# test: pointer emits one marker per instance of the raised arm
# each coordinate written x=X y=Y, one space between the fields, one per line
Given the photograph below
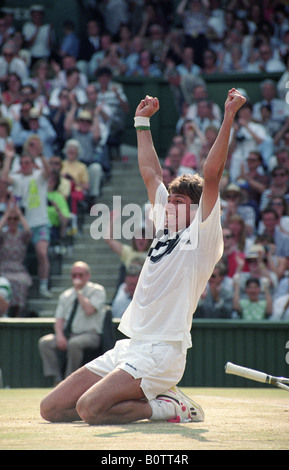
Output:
x=149 y=165
x=216 y=159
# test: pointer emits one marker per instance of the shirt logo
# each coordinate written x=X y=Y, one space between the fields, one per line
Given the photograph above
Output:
x=163 y=247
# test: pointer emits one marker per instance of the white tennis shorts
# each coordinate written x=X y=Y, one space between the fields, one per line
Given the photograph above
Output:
x=159 y=365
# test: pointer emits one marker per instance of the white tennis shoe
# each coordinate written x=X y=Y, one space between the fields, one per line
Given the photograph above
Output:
x=187 y=410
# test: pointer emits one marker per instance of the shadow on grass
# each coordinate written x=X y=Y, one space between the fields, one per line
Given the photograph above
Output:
x=154 y=428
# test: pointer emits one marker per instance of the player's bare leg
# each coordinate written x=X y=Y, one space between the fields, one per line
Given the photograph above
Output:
x=60 y=404
x=116 y=399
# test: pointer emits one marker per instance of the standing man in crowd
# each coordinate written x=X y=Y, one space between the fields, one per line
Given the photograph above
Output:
x=137 y=379
x=30 y=190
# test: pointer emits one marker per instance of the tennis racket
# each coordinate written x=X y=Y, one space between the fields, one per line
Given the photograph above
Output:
x=280 y=382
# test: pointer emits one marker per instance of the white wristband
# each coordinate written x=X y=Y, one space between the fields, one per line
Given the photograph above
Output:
x=140 y=121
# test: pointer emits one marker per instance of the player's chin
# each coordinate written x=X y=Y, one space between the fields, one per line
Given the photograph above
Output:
x=172 y=224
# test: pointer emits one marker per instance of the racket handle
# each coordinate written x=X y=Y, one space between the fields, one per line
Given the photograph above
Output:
x=251 y=374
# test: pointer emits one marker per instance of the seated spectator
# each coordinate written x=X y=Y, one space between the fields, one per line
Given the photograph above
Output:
x=252 y=306
x=194 y=139
x=84 y=303
x=281 y=137
x=55 y=164
x=114 y=15
x=13 y=248
x=74 y=87
x=275 y=263
x=11 y=90
x=154 y=42
x=124 y=41
x=200 y=93
x=5 y=195
x=30 y=187
x=145 y=66
x=280 y=205
x=181 y=81
x=132 y=58
x=114 y=61
x=76 y=172
x=232 y=256
x=97 y=58
x=86 y=128
x=258 y=269
x=10 y=63
x=38 y=35
x=235 y=205
x=270 y=220
x=232 y=58
x=210 y=62
x=265 y=60
x=28 y=94
x=90 y=43
x=174 y=159
x=125 y=291
x=272 y=127
x=279 y=186
x=238 y=228
x=283 y=285
x=5 y=127
x=254 y=177
x=58 y=210
x=173 y=47
x=41 y=80
x=39 y=125
x=33 y=146
x=217 y=299
x=112 y=94
x=58 y=115
x=187 y=65
x=69 y=44
x=279 y=107
x=61 y=80
x=246 y=136
x=281 y=157
x=204 y=116
x=19 y=112
x=283 y=80
x=5 y=296
x=209 y=138
x=194 y=17
x=101 y=108
x=168 y=175
x=280 y=308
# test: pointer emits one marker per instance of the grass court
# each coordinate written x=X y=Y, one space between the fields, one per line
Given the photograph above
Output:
x=235 y=419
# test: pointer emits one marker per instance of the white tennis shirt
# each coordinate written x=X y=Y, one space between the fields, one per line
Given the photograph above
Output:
x=173 y=277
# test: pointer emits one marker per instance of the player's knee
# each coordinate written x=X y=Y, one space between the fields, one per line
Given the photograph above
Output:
x=48 y=411
x=88 y=412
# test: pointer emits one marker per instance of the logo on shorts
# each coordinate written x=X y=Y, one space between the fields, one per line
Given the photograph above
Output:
x=127 y=364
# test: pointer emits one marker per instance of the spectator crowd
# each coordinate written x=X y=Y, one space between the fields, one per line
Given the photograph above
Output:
x=62 y=121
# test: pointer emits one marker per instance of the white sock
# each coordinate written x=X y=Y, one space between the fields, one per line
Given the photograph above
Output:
x=162 y=410
x=44 y=283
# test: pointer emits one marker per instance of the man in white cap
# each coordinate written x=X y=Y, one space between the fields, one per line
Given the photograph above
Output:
x=38 y=36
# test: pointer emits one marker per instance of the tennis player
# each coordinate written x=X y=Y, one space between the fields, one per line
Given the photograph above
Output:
x=137 y=379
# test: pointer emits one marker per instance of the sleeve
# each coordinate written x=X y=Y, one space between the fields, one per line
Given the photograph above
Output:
x=97 y=297
x=207 y=235
x=157 y=214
